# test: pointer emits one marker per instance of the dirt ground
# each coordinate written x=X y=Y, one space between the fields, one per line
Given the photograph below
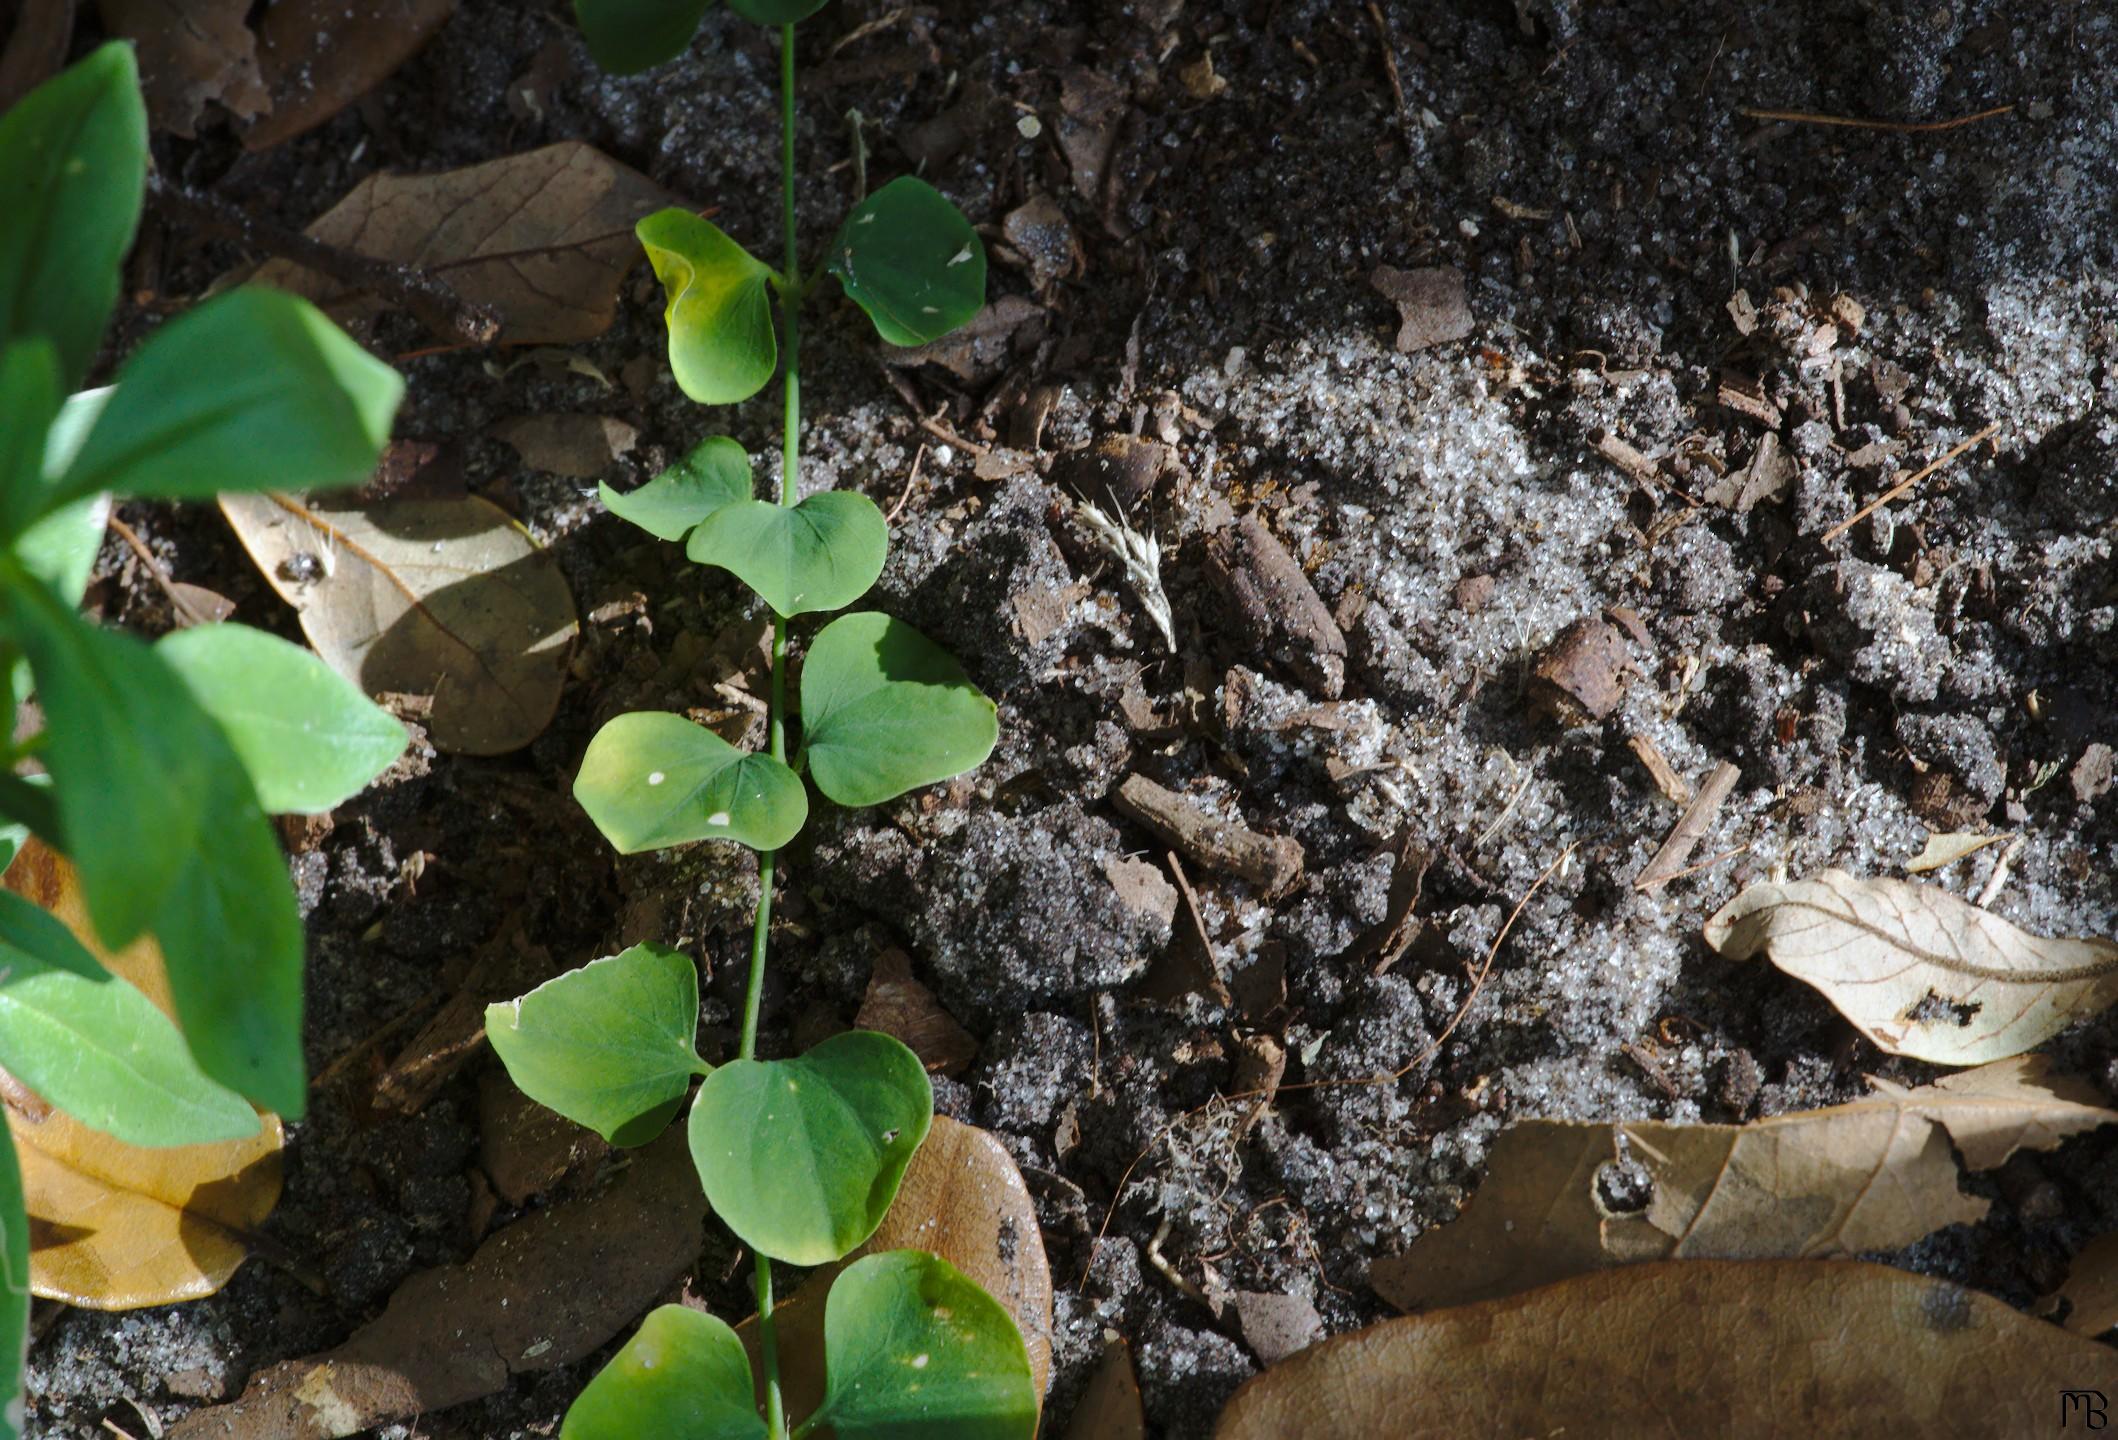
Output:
x=1949 y=663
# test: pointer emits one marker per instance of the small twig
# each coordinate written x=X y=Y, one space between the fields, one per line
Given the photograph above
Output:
x=911 y=479
x=1907 y=483
x=1999 y=877
x=1168 y=1271
x=947 y=436
x=1690 y=828
x=186 y=613
x=1271 y=862
x=1850 y=122
x=427 y=297
x=1389 y=46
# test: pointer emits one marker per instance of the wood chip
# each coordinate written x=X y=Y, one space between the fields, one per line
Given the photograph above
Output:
x=1272 y=606
x=1430 y=305
x=1271 y=862
x=1745 y=395
x=1691 y=827
x=1626 y=458
x=1667 y=780
x=1581 y=676
x=1276 y=1326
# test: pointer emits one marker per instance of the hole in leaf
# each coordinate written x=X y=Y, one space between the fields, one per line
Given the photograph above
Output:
x=1623 y=1187
x=1936 y=1008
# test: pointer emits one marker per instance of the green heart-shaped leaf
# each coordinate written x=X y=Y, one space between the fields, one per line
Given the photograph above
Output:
x=608 y=1045
x=73 y=163
x=308 y=737
x=822 y=554
x=721 y=346
x=912 y=261
x=886 y=710
x=652 y=779
x=715 y=474
x=627 y=36
x=682 y=1376
x=913 y=1347
x=96 y=1047
x=801 y=1158
x=776 y=12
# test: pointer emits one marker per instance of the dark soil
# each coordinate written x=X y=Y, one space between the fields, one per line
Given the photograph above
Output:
x=1946 y=664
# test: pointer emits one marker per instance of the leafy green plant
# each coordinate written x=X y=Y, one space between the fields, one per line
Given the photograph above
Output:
x=160 y=762
x=800 y=1157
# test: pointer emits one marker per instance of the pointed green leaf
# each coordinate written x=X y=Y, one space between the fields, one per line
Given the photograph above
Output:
x=254 y=390
x=912 y=261
x=886 y=710
x=97 y=1048
x=721 y=346
x=73 y=163
x=715 y=474
x=14 y=1292
x=912 y=1347
x=162 y=821
x=608 y=1045
x=627 y=36
x=801 y=1158
x=822 y=554
x=776 y=12
x=651 y=779
x=29 y=399
x=682 y=1376
x=309 y=738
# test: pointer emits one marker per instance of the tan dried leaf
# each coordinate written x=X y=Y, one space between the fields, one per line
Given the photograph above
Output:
x=544 y=239
x=963 y=1199
x=580 y=447
x=448 y=598
x=902 y=1008
x=1946 y=849
x=1109 y=1408
x=1873 y=1175
x=191 y=52
x=1738 y=1350
x=1918 y=970
x=2091 y=1288
x=116 y=1226
x=319 y=56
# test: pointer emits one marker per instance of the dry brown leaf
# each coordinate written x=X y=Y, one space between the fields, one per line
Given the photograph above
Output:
x=192 y=52
x=37 y=38
x=580 y=447
x=2091 y=1288
x=963 y=1199
x=1737 y=1350
x=1943 y=850
x=544 y=1292
x=543 y=239
x=1920 y=971
x=902 y=1008
x=1563 y=1198
x=1109 y=1409
x=448 y=598
x=116 y=1226
x=319 y=56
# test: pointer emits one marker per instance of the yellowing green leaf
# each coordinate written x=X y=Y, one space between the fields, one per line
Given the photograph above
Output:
x=721 y=345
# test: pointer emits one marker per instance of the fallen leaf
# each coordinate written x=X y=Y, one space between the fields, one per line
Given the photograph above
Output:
x=1430 y=305
x=545 y=1292
x=980 y=348
x=899 y=1006
x=443 y=597
x=192 y=52
x=524 y=1148
x=1109 y=1408
x=1918 y=970
x=543 y=239
x=1562 y=1198
x=2091 y=1288
x=580 y=447
x=116 y=1226
x=1947 y=849
x=319 y=56
x=1091 y=108
x=962 y=1199
x=38 y=35
x=1731 y=1349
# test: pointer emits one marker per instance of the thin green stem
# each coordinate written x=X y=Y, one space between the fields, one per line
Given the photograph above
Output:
x=791 y=292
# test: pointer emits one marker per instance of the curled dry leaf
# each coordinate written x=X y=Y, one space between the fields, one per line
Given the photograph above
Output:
x=448 y=598
x=1944 y=850
x=543 y=239
x=319 y=56
x=544 y=1292
x=116 y=1226
x=192 y=53
x=1728 y=1348
x=963 y=1199
x=1563 y=1198
x=1918 y=970
x=2091 y=1288
x=1109 y=1409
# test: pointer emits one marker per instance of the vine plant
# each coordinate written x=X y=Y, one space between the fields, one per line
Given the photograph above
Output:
x=800 y=1157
